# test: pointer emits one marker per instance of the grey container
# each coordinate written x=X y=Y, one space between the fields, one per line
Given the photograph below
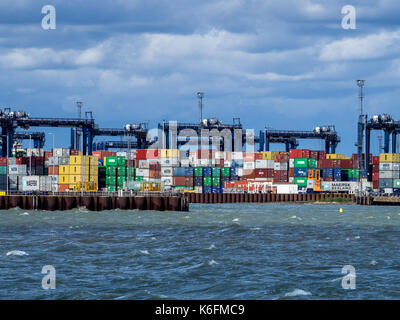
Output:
x=385 y=183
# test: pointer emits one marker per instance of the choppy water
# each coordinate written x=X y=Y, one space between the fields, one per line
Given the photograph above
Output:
x=229 y=251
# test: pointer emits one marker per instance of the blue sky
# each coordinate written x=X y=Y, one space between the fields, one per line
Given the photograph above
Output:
x=284 y=64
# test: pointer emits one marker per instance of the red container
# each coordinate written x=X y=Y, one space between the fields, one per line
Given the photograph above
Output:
x=336 y=163
x=3 y=161
x=154 y=174
x=261 y=173
x=291 y=172
x=375 y=176
x=155 y=166
x=258 y=156
x=219 y=163
x=346 y=164
x=321 y=155
x=375 y=184
x=249 y=156
x=375 y=168
x=47 y=155
x=179 y=181
x=375 y=160
x=325 y=164
x=74 y=152
x=314 y=155
x=328 y=179
x=141 y=154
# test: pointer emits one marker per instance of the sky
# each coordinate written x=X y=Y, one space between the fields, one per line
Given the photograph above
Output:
x=282 y=64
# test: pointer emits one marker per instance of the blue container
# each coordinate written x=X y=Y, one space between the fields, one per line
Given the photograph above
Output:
x=100 y=162
x=216 y=189
x=207 y=172
x=207 y=189
x=237 y=163
x=179 y=172
x=328 y=172
x=300 y=172
x=234 y=178
x=223 y=179
x=364 y=174
x=189 y=172
x=233 y=171
x=198 y=181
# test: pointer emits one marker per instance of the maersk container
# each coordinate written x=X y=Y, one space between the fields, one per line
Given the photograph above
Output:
x=301 y=163
x=179 y=172
x=300 y=172
x=111 y=180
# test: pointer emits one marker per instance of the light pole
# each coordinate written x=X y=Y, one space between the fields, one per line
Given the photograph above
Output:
x=361 y=127
x=53 y=162
x=30 y=158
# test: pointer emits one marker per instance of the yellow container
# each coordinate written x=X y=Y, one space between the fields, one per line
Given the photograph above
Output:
x=77 y=178
x=389 y=157
x=78 y=169
x=163 y=153
x=63 y=169
x=63 y=179
x=94 y=170
x=269 y=155
x=93 y=161
x=93 y=178
x=75 y=160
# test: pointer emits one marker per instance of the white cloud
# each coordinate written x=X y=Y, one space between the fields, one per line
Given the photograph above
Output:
x=369 y=47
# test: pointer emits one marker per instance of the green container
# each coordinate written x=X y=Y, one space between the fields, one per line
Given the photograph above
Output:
x=121 y=161
x=121 y=171
x=396 y=183
x=312 y=163
x=3 y=169
x=300 y=181
x=130 y=171
x=216 y=181
x=112 y=188
x=111 y=171
x=216 y=172
x=120 y=180
x=301 y=163
x=198 y=172
x=225 y=172
x=138 y=178
x=111 y=161
x=111 y=181
x=355 y=173
x=207 y=181
x=130 y=178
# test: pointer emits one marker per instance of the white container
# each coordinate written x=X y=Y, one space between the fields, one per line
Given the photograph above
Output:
x=237 y=155
x=388 y=190
x=385 y=166
x=291 y=180
x=396 y=166
x=57 y=152
x=54 y=178
x=227 y=164
x=144 y=164
x=45 y=183
x=167 y=171
x=204 y=162
x=198 y=189
x=34 y=152
x=166 y=162
x=185 y=163
x=219 y=155
x=240 y=172
x=53 y=161
x=385 y=174
x=140 y=172
x=270 y=164
x=168 y=181
x=249 y=165
x=287 y=188
x=291 y=163
x=261 y=164
x=310 y=184
x=19 y=169
x=11 y=161
x=121 y=154
x=30 y=183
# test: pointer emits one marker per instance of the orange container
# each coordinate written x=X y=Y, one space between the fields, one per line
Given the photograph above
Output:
x=53 y=170
x=63 y=187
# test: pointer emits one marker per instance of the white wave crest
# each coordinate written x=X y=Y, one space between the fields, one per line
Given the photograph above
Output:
x=212 y=262
x=297 y=292
x=144 y=252
x=17 y=253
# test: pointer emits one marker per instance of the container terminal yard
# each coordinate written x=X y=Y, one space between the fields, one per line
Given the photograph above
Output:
x=162 y=173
